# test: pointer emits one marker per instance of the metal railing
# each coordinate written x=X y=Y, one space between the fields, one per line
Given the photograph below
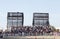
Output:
x=32 y=37
x=27 y=34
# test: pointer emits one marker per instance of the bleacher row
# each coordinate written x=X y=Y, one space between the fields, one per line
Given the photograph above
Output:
x=30 y=31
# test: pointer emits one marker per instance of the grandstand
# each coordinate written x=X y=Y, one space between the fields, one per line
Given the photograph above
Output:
x=30 y=31
x=40 y=28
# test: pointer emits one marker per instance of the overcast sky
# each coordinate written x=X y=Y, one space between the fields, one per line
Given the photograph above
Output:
x=28 y=7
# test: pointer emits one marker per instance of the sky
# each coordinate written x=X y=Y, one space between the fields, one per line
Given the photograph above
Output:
x=28 y=7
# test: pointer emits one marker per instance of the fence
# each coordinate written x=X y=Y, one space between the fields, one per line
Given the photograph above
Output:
x=28 y=34
x=31 y=37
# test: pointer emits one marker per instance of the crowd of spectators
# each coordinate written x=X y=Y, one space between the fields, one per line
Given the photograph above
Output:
x=30 y=31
